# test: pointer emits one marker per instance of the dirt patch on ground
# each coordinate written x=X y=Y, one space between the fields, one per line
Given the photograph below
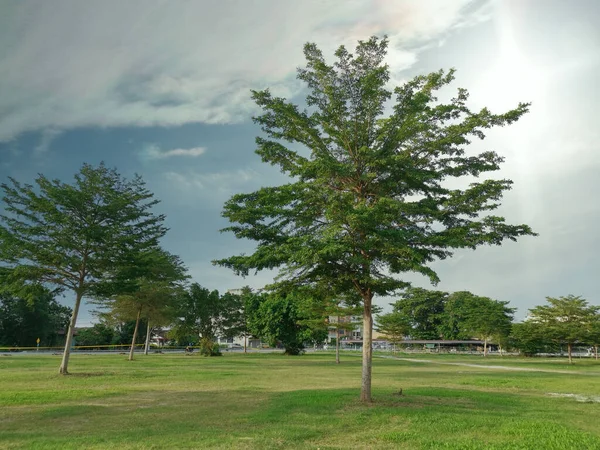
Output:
x=581 y=398
x=484 y=366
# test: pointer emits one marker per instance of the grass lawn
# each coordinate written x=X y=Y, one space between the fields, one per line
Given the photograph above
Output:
x=262 y=401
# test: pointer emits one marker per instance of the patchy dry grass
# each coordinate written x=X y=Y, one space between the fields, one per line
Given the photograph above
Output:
x=261 y=401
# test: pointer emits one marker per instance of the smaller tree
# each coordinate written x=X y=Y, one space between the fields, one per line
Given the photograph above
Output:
x=424 y=311
x=594 y=333
x=453 y=323
x=528 y=338
x=206 y=315
x=199 y=313
x=565 y=320
x=467 y=315
x=340 y=316
x=236 y=323
x=503 y=340
x=160 y=315
x=488 y=319
x=99 y=334
x=123 y=329
x=58 y=320
x=126 y=325
x=324 y=309
x=276 y=318
x=146 y=287
x=394 y=326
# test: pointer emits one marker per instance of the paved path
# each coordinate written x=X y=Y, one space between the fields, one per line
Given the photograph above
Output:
x=484 y=366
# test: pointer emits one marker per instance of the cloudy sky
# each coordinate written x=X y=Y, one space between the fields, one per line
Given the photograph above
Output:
x=161 y=88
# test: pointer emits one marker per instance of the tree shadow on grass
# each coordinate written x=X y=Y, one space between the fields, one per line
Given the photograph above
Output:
x=89 y=374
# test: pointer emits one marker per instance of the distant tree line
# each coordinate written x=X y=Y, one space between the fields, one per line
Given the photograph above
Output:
x=23 y=322
x=425 y=314
x=564 y=322
x=194 y=315
x=198 y=316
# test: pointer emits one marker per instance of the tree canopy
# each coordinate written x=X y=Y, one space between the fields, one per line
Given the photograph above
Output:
x=467 y=315
x=423 y=309
x=528 y=338
x=369 y=200
x=99 y=334
x=280 y=319
x=206 y=315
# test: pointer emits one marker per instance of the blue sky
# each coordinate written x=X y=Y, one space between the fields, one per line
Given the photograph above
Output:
x=162 y=88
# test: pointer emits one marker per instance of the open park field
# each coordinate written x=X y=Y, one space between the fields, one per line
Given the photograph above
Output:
x=263 y=401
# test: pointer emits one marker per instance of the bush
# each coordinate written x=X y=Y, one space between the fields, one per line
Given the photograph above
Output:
x=209 y=348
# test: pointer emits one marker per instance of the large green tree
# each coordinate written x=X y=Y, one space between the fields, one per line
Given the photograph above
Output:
x=206 y=315
x=74 y=235
x=280 y=319
x=468 y=315
x=491 y=320
x=565 y=320
x=368 y=199
x=529 y=338
x=424 y=310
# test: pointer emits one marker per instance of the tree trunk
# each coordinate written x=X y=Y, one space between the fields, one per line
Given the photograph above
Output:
x=245 y=340
x=337 y=344
x=365 y=392
x=148 y=331
x=63 y=369
x=596 y=351
x=135 y=331
x=569 y=350
x=500 y=349
x=485 y=347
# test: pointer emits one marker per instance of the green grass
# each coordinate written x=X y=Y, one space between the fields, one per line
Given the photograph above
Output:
x=263 y=401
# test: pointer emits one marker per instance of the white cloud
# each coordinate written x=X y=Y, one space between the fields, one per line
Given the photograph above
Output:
x=211 y=188
x=66 y=63
x=153 y=151
x=215 y=181
x=47 y=137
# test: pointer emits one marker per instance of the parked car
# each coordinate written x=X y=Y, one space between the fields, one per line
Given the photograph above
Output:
x=234 y=347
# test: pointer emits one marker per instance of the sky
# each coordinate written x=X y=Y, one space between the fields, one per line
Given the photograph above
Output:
x=162 y=89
